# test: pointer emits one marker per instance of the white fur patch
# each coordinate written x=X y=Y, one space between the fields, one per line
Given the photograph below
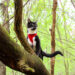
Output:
x=29 y=42
x=30 y=31
x=34 y=42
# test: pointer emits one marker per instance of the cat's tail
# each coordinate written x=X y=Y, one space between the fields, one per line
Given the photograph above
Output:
x=52 y=55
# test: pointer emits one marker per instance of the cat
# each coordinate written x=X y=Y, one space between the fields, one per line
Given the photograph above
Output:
x=34 y=41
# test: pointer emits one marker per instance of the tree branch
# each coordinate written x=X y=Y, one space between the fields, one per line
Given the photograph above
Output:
x=15 y=57
x=18 y=26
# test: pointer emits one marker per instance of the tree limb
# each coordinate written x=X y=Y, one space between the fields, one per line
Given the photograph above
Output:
x=15 y=57
x=18 y=26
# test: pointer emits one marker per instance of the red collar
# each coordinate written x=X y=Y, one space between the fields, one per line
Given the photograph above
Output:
x=31 y=36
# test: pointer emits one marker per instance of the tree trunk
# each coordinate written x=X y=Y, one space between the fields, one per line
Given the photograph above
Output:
x=5 y=18
x=53 y=36
x=2 y=69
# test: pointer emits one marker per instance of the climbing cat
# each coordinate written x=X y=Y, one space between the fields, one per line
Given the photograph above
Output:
x=34 y=41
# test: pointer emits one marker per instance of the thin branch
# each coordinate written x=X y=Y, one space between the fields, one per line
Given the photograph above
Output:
x=13 y=16
x=72 y=1
x=26 y=3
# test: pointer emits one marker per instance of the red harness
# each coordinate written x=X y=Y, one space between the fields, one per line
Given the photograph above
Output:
x=31 y=36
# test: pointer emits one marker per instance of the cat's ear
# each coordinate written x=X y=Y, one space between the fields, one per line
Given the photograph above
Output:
x=29 y=20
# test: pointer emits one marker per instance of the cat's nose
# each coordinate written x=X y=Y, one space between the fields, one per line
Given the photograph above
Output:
x=33 y=28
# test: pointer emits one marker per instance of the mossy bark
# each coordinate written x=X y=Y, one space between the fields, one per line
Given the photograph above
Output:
x=17 y=58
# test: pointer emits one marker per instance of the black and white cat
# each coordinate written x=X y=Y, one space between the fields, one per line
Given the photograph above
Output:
x=34 y=41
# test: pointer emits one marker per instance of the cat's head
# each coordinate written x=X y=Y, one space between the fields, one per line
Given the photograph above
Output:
x=31 y=27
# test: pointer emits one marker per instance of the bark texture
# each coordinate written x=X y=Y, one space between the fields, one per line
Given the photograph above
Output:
x=5 y=18
x=2 y=69
x=53 y=36
x=17 y=58
x=18 y=25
